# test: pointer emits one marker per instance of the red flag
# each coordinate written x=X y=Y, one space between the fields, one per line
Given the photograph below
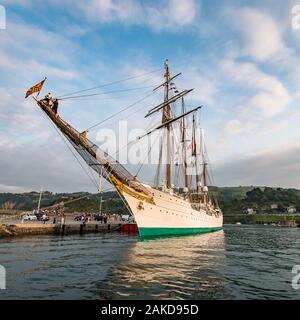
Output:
x=36 y=88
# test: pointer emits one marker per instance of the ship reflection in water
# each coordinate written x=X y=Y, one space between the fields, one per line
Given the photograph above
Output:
x=187 y=267
x=241 y=262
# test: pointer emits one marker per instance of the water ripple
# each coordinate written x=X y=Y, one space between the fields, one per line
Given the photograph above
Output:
x=241 y=262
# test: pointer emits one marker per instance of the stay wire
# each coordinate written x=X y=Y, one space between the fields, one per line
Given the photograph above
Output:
x=110 y=83
x=122 y=110
x=103 y=93
x=60 y=134
x=147 y=155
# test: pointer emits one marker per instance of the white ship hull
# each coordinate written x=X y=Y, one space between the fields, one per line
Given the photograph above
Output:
x=171 y=215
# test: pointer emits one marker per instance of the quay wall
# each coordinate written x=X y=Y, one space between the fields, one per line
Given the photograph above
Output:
x=19 y=229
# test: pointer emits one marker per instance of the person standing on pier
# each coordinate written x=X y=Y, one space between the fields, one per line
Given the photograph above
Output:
x=44 y=218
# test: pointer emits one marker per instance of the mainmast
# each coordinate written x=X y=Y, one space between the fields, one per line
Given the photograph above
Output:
x=183 y=141
x=166 y=117
x=195 y=154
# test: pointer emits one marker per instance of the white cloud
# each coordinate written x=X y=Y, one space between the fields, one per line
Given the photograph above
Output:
x=48 y=163
x=201 y=79
x=261 y=37
x=171 y=14
x=12 y=189
x=110 y=10
x=167 y=14
x=27 y=66
x=263 y=169
x=157 y=15
x=252 y=100
x=233 y=126
x=182 y=12
x=269 y=96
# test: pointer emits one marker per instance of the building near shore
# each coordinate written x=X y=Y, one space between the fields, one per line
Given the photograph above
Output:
x=250 y=211
x=291 y=210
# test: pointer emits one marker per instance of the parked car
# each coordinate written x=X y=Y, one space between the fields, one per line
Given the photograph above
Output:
x=125 y=217
x=78 y=218
x=29 y=217
x=38 y=215
x=98 y=217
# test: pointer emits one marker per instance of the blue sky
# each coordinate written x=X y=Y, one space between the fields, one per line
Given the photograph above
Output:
x=242 y=58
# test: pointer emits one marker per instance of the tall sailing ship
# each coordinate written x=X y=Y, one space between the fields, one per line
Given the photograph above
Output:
x=165 y=208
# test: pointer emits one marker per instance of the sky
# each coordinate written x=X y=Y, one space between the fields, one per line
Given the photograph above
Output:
x=241 y=58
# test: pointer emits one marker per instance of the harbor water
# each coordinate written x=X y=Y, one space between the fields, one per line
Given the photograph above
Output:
x=239 y=262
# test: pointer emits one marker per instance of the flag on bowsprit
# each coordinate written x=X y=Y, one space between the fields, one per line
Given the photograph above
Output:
x=36 y=88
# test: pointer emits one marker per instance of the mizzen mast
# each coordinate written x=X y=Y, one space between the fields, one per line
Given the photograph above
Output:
x=195 y=155
x=204 y=172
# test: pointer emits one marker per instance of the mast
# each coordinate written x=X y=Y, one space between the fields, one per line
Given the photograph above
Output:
x=204 y=175
x=183 y=140
x=195 y=154
x=166 y=117
x=157 y=175
x=205 y=188
x=172 y=99
x=100 y=190
x=166 y=123
x=40 y=198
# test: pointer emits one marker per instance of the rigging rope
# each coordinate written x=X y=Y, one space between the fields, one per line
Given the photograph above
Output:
x=91 y=178
x=76 y=199
x=110 y=83
x=102 y=93
x=128 y=116
x=116 y=154
x=62 y=137
x=122 y=110
x=147 y=155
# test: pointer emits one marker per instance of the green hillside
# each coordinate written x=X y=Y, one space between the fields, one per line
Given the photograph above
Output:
x=86 y=202
x=232 y=200
x=258 y=198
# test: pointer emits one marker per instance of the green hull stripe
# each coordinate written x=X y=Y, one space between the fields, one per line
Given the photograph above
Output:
x=152 y=232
